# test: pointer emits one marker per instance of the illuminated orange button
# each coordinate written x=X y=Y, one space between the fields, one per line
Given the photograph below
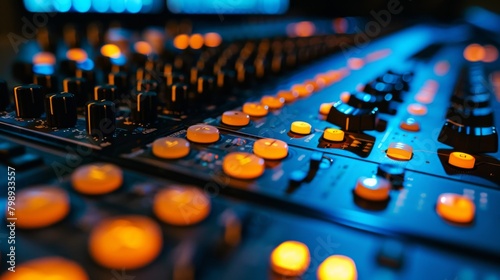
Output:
x=271 y=149
x=301 y=127
x=333 y=134
x=76 y=54
x=181 y=206
x=272 y=102
x=290 y=258
x=455 y=208
x=235 y=118
x=212 y=39
x=181 y=41
x=410 y=124
x=345 y=96
x=417 y=109
x=288 y=95
x=202 y=133
x=125 y=242
x=337 y=267
x=170 y=147
x=324 y=108
x=111 y=50
x=97 y=178
x=400 y=151
x=42 y=206
x=47 y=268
x=304 y=90
x=255 y=109
x=243 y=165
x=461 y=160
x=373 y=188
x=44 y=58
x=143 y=47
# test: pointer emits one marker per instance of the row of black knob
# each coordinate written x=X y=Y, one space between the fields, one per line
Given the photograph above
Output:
x=360 y=111
x=469 y=125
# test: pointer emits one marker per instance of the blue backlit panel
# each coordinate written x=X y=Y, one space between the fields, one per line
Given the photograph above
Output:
x=222 y=7
x=96 y=6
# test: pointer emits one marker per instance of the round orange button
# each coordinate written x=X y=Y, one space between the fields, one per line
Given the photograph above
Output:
x=97 y=178
x=47 y=268
x=288 y=95
x=455 y=208
x=42 y=206
x=290 y=258
x=325 y=108
x=417 y=109
x=235 y=118
x=373 y=188
x=272 y=102
x=243 y=165
x=271 y=149
x=170 y=147
x=255 y=109
x=125 y=242
x=337 y=267
x=181 y=206
x=202 y=133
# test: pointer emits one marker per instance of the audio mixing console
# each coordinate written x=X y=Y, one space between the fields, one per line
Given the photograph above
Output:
x=209 y=154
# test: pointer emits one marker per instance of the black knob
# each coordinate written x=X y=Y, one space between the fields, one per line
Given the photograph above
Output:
x=225 y=81
x=177 y=99
x=146 y=85
x=468 y=138
x=174 y=77
x=106 y=92
x=352 y=119
x=393 y=173
x=100 y=119
x=29 y=101
x=4 y=95
x=48 y=82
x=120 y=80
x=145 y=111
x=205 y=89
x=88 y=75
x=471 y=116
x=245 y=75
x=60 y=110
x=79 y=88
x=471 y=101
x=364 y=100
x=193 y=75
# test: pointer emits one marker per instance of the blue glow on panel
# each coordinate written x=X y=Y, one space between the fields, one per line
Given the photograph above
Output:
x=118 y=6
x=134 y=6
x=62 y=5
x=43 y=69
x=120 y=61
x=88 y=65
x=228 y=6
x=82 y=6
x=99 y=6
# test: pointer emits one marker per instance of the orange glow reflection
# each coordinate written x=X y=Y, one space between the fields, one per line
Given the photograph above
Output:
x=143 y=47
x=491 y=53
x=44 y=58
x=474 y=52
x=111 y=50
x=196 y=41
x=212 y=39
x=76 y=54
x=181 y=41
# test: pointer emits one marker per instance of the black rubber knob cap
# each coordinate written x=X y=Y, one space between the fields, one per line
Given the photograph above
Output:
x=60 y=110
x=4 y=95
x=79 y=88
x=177 y=100
x=28 y=101
x=100 y=119
x=145 y=111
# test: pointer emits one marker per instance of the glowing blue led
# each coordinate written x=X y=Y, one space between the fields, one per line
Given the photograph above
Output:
x=118 y=6
x=81 y=6
x=120 y=61
x=88 y=64
x=62 y=5
x=228 y=6
x=134 y=6
x=43 y=69
x=100 y=6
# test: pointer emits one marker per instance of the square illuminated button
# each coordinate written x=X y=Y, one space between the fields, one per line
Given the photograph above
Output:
x=399 y=151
